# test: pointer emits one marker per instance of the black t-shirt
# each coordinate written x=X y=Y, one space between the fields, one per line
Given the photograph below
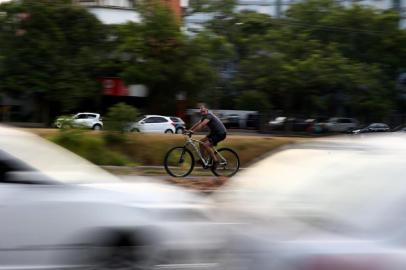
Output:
x=214 y=124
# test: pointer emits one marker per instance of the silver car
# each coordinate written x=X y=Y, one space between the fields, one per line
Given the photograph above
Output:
x=338 y=124
x=58 y=211
x=333 y=204
x=80 y=120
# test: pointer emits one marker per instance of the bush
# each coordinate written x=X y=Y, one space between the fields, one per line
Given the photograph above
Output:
x=64 y=121
x=120 y=116
x=89 y=147
x=114 y=138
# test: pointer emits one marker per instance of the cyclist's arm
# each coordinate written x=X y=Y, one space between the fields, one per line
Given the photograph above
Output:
x=199 y=125
x=195 y=125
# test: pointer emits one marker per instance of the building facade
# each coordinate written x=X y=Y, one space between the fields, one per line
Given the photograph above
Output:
x=122 y=11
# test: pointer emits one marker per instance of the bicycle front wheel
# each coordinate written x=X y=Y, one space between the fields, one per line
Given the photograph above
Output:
x=179 y=162
x=229 y=163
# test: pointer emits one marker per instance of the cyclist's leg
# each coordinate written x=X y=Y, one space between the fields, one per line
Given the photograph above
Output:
x=214 y=139
x=203 y=150
x=209 y=148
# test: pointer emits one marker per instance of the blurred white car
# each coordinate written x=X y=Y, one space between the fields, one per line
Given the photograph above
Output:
x=82 y=120
x=154 y=124
x=278 y=122
x=339 y=124
x=59 y=211
x=335 y=204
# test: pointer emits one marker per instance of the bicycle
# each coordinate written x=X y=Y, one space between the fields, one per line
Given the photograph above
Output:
x=180 y=161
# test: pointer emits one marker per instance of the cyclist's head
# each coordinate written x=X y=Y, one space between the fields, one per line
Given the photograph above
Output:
x=203 y=108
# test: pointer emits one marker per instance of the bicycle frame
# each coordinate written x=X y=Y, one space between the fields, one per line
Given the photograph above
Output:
x=196 y=147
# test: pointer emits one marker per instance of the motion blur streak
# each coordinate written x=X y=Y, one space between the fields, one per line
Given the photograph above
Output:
x=333 y=204
x=59 y=211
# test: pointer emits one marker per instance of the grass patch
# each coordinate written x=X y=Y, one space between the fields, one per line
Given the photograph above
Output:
x=93 y=148
x=132 y=149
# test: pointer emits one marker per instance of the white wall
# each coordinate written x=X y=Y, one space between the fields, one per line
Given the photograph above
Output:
x=115 y=15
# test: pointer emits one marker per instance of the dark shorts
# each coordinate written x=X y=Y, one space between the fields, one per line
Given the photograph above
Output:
x=215 y=138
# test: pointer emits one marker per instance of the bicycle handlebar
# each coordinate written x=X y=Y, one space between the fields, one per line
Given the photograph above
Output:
x=188 y=133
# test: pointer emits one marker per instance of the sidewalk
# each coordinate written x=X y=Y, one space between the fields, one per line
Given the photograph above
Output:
x=197 y=172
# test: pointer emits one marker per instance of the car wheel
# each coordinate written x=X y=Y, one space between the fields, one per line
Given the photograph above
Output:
x=169 y=131
x=124 y=257
x=179 y=130
x=97 y=127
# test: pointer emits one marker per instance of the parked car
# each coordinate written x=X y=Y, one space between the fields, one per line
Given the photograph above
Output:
x=278 y=123
x=339 y=124
x=317 y=124
x=253 y=121
x=289 y=124
x=329 y=204
x=154 y=124
x=400 y=128
x=232 y=121
x=180 y=125
x=58 y=211
x=80 y=120
x=298 y=124
x=375 y=127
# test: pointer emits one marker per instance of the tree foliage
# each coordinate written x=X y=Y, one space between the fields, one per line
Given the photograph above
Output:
x=158 y=54
x=322 y=58
x=50 y=52
x=120 y=116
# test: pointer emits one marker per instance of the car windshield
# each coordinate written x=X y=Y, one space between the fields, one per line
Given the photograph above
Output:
x=49 y=159
x=175 y=119
x=360 y=187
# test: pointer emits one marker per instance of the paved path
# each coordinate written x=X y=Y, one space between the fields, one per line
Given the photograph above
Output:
x=206 y=184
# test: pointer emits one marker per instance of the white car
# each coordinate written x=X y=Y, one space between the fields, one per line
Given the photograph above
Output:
x=83 y=120
x=58 y=211
x=339 y=124
x=332 y=204
x=154 y=124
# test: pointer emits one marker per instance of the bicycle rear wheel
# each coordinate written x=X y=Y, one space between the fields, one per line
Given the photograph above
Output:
x=229 y=163
x=179 y=162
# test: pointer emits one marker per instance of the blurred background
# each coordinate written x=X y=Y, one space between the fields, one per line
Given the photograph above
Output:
x=96 y=76
x=251 y=61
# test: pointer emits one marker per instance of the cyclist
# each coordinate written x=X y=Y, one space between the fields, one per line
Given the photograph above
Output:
x=218 y=132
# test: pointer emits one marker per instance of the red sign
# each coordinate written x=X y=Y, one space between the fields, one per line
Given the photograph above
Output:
x=113 y=87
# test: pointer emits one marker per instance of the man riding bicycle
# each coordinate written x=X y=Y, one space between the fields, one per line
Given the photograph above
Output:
x=218 y=132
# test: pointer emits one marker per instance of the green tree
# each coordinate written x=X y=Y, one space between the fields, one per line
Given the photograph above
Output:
x=119 y=116
x=254 y=101
x=361 y=33
x=155 y=52
x=322 y=58
x=51 y=51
